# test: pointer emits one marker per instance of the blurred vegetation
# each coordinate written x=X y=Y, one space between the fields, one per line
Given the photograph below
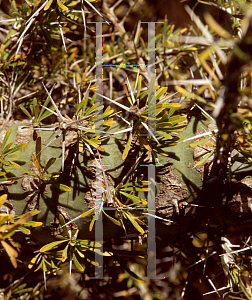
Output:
x=75 y=147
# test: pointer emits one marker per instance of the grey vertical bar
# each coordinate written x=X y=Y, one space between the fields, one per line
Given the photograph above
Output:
x=151 y=239
x=151 y=73
x=99 y=73
x=98 y=221
x=98 y=192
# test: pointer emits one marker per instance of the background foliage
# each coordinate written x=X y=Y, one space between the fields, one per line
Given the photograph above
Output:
x=61 y=148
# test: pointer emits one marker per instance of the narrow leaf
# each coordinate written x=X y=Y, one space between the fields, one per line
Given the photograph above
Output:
x=77 y=264
x=7 y=135
x=24 y=230
x=61 y=186
x=164 y=134
x=127 y=147
x=25 y=111
x=52 y=245
x=48 y=4
x=10 y=229
x=112 y=219
x=61 y=5
x=2 y=199
x=17 y=148
x=49 y=164
x=21 y=168
x=201 y=142
x=36 y=163
x=134 y=222
x=204 y=158
x=139 y=84
x=88 y=212
x=144 y=142
x=12 y=253
x=92 y=223
x=131 y=197
x=160 y=92
x=33 y=261
x=96 y=146
x=64 y=253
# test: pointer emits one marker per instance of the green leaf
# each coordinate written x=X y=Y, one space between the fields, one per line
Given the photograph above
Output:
x=49 y=164
x=190 y=95
x=139 y=84
x=107 y=112
x=62 y=223
x=33 y=223
x=25 y=111
x=92 y=223
x=45 y=113
x=151 y=87
x=17 y=148
x=77 y=264
x=160 y=92
x=134 y=222
x=171 y=111
x=64 y=253
x=24 y=230
x=11 y=229
x=134 y=188
x=204 y=158
x=7 y=135
x=52 y=245
x=131 y=197
x=127 y=147
x=140 y=183
x=44 y=268
x=96 y=107
x=83 y=104
x=177 y=119
x=6 y=148
x=88 y=212
x=112 y=219
x=60 y=186
x=164 y=134
x=79 y=252
x=34 y=212
x=201 y=142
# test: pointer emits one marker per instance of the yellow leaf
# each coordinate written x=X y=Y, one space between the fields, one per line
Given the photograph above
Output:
x=4 y=218
x=144 y=142
x=3 y=198
x=2 y=49
x=96 y=146
x=12 y=253
x=106 y=253
x=199 y=240
x=61 y=5
x=36 y=163
x=33 y=260
x=48 y=4
x=216 y=26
